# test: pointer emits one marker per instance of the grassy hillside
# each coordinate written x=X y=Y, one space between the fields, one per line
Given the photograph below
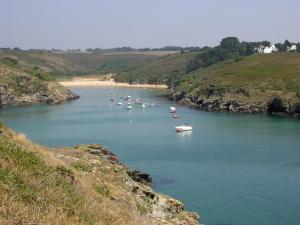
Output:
x=47 y=61
x=93 y=63
x=82 y=185
x=163 y=70
x=78 y=64
x=279 y=72
x=21 y=83
x=256 y=79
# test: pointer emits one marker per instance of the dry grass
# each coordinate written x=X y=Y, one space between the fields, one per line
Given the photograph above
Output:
x=49 y=191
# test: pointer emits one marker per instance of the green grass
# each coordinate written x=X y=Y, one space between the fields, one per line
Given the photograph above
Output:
x=264 y=72
x=165 y=69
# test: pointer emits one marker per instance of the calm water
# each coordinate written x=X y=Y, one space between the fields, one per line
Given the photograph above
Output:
x=232 y=169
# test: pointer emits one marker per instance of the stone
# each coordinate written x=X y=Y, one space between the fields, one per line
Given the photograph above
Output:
x=140 y=177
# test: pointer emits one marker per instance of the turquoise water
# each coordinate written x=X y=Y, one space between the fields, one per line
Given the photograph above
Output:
x=233 y=169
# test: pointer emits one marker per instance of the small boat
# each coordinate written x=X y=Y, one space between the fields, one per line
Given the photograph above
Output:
x=172 y=109
x=175 y=116
x=143 y=105
x=120 y=103
x=127 y=98
x=137 y=101
x=112 y=100
x=129 y=107
x=183 y=128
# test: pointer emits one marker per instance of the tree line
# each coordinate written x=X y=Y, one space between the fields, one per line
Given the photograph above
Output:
x=232 y=48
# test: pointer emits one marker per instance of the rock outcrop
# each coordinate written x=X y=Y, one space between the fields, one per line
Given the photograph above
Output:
x=86 y=184
x=240 y=101
x=18 y=86
x=161 y=209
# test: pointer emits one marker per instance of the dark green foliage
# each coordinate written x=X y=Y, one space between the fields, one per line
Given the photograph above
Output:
x=281 y=47
x=40 y=74
x=232 y=44
x=230 y=48
x=298 y=47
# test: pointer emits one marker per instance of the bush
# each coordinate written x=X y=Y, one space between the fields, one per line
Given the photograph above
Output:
x=40 y=74
x=10 y=61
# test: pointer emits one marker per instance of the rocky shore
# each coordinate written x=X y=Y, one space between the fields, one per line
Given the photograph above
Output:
x=240 y=101
x=159 y=208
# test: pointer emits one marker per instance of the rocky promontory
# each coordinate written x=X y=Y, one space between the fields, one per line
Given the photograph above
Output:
x=86 y=184
x=20 y=85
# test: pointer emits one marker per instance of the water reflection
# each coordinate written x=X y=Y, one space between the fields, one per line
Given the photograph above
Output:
x=184 y=134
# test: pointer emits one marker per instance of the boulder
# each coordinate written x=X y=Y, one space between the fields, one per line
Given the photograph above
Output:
x=140 y=177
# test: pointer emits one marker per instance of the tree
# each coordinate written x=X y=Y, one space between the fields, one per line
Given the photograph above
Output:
x=298 y=47
x=287 y=43
x=16 y=49
x=281 y=47
x=230 y=43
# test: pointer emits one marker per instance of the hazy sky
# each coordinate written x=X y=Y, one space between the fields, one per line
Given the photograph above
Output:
x=144 y=23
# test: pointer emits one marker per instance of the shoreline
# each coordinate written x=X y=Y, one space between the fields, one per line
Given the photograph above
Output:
x=93 y=82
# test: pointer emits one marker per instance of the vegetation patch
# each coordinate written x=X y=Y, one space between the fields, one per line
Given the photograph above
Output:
x=103 y=190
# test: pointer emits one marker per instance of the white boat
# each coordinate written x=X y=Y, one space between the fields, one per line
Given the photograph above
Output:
x=172 y=109
x=183 y=128
x=143 y=105
x=129 y=107
x=120 y=103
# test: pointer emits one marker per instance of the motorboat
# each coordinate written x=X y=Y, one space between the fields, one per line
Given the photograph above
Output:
x=172 y=109
x=120 y=103
x=129 y=107
x=143 y=105
x=127 y=98
x=183 y=128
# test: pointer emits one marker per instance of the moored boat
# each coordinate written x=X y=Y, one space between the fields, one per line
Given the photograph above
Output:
x=129 y=107
x=183 y=128
x=172 y=109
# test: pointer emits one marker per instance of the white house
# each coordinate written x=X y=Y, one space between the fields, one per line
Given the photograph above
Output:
x=266 y=49
x=292 y=48
x=270 y=49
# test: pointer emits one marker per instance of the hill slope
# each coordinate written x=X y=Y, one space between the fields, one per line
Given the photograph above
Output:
x=163 y=70
x=23 y=84
x=78 y=64
x=258 y=83
x=82 y=185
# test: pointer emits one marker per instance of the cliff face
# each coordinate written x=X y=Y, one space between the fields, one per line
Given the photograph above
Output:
x=82 y=185
x=19 y=84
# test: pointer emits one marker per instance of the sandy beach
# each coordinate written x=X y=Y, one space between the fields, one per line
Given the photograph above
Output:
x=94 y=82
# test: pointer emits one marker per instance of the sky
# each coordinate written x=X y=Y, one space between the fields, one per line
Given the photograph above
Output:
x=70 y=24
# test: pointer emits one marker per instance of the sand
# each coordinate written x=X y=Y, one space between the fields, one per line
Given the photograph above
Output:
x=93 y=82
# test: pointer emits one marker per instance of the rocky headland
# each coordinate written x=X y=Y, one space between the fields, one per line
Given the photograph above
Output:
x=86 y=184
x=20 y=84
